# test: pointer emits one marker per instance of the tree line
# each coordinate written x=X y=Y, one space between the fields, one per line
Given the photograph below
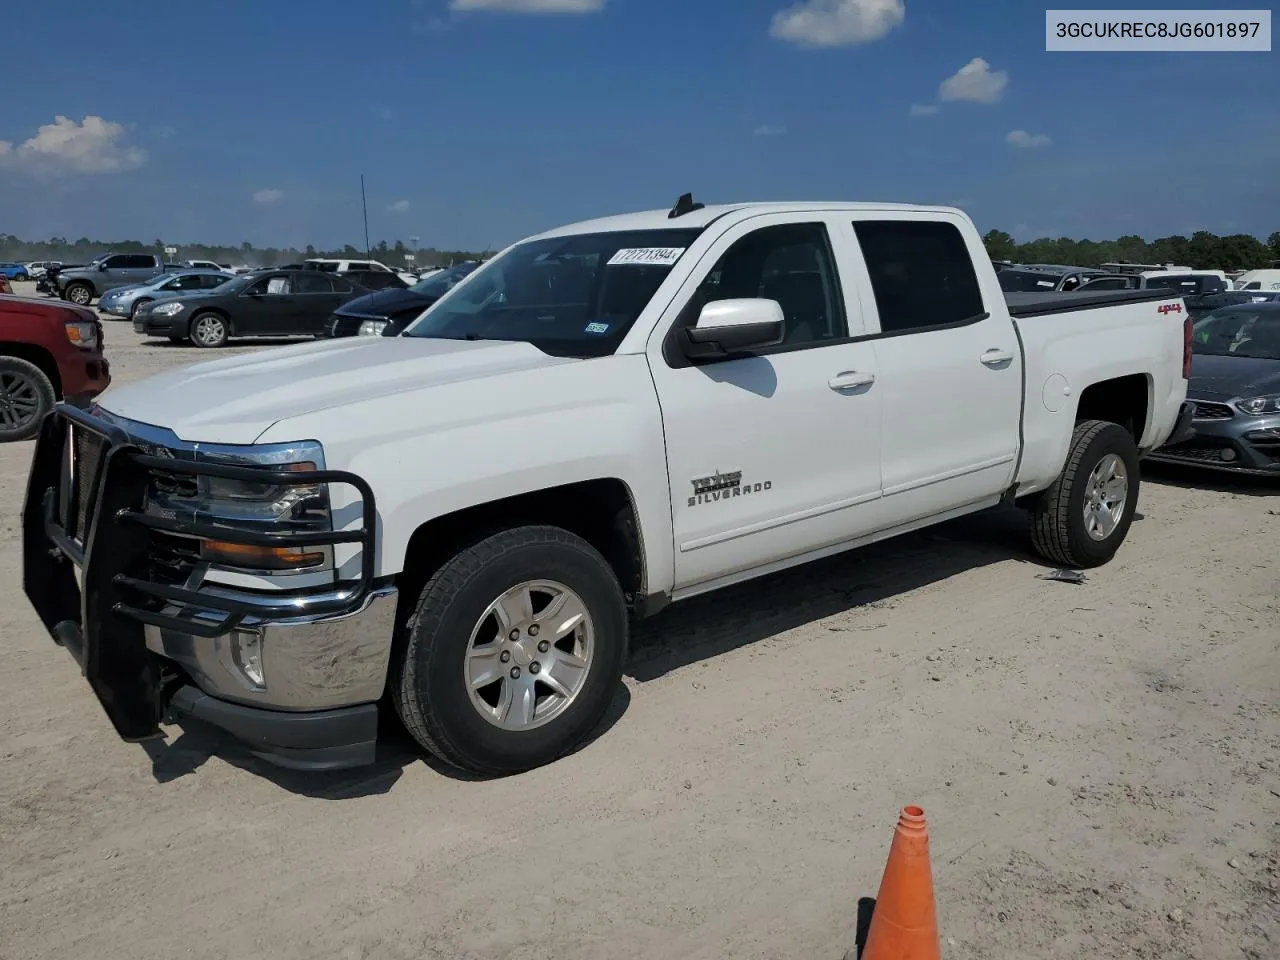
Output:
x=81 y=251
x=1201 y=251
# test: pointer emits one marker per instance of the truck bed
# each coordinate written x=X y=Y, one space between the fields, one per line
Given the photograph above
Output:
x=1036 y=304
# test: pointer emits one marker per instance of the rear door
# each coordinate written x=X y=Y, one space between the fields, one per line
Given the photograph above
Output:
x=141 y=268
x=950 y=365
x=316 y=301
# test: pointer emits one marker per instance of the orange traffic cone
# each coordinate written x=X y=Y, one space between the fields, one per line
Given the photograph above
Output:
x=904 y=925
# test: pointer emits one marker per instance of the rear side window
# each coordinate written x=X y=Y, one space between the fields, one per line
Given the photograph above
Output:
x=921 y=273
x=312 y=283
x=136 y=261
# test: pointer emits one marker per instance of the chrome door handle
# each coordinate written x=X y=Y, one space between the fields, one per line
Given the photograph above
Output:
x=850 y=379
x=995 y=357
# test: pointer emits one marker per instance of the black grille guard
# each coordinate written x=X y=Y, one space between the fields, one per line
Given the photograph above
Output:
x=101 y=618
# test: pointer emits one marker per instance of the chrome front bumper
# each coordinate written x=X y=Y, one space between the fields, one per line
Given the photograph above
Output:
x=295 y=675
x=310 y=663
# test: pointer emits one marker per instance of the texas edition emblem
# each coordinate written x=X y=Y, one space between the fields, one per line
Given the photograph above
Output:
x=724 y=486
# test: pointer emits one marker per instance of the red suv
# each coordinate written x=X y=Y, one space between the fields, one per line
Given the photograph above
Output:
x=49 y=351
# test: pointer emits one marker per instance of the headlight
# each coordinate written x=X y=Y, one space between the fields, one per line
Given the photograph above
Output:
x=169 y=309
x=83 y=334
x=372 y=328
x=255 y=506
x=1256 y=406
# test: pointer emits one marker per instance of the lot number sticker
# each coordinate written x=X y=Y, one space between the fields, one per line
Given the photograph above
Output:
x=659 y=256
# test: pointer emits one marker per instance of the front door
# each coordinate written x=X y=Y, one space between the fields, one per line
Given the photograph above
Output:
x=774 y=455
x=951 y=371
x=267 y=308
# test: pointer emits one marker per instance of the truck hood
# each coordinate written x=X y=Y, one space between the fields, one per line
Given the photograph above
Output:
x=236 y=399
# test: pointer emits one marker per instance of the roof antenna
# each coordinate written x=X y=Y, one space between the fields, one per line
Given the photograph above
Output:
x=684 y=205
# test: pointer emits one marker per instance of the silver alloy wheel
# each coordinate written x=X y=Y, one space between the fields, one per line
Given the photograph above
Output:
x=1105 y=496
x=19 y=401
x=79 y=295
x=529 y=655
x=209 y=330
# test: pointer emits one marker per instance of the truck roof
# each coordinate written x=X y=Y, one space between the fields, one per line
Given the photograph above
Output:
x=702 y=216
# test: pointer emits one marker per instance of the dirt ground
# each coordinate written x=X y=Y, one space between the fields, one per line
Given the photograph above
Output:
x=1100 y=764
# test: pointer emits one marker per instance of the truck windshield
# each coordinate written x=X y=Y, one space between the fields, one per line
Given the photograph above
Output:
x=1238 y=333
x=572 y=296
x=1027 y=281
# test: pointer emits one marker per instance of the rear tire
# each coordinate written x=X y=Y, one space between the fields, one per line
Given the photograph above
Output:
x=26 y=396
x=79 y=293
x=475 y=645
x=1083 y=518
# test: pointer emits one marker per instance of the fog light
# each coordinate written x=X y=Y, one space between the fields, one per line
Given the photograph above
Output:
x=1228 y=455
x=246 y=649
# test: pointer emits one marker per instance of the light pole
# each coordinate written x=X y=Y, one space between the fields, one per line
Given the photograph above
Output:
x=414 y=242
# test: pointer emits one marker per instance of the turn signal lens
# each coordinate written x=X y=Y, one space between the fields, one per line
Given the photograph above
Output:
x=260 y=558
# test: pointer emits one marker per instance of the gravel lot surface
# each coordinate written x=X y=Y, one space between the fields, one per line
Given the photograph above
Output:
x=1100 y=764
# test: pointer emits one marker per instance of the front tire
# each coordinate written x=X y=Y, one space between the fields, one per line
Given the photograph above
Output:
x=137 y=305
x=209 y=330
x=26 y=396
x=80 y=294
x=513 y=653
x=1083 y=518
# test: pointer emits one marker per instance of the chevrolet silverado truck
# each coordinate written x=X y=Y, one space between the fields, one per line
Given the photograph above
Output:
x=458 y=524
x=80 y=285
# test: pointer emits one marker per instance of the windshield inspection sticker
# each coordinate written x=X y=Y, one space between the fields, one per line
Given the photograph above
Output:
x=656 y=256
x=597 y=328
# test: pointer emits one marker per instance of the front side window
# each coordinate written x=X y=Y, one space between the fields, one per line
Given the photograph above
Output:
x=574 y=296
x=790 y=264
x=269 y=286
x=119 y=262
x=921 y=273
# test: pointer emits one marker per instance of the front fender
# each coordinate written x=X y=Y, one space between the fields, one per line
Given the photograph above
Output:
x=435 y=451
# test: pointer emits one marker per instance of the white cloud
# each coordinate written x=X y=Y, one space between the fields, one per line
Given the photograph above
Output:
x=975 y=82
x=400 y=206
x=767 y=130
x=93 y=145
x=529 y=6
x=924 y=109
x=837 y=23
x=1028 y=141
x=268 y=195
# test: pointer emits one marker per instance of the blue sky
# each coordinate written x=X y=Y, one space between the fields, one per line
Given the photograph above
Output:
x=475 y=125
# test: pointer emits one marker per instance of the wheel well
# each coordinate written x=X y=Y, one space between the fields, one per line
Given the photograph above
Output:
x=37 y=356
x=1122 y=400
x=600 y=511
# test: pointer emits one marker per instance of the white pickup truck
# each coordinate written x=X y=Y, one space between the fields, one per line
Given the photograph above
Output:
x=458 y=522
